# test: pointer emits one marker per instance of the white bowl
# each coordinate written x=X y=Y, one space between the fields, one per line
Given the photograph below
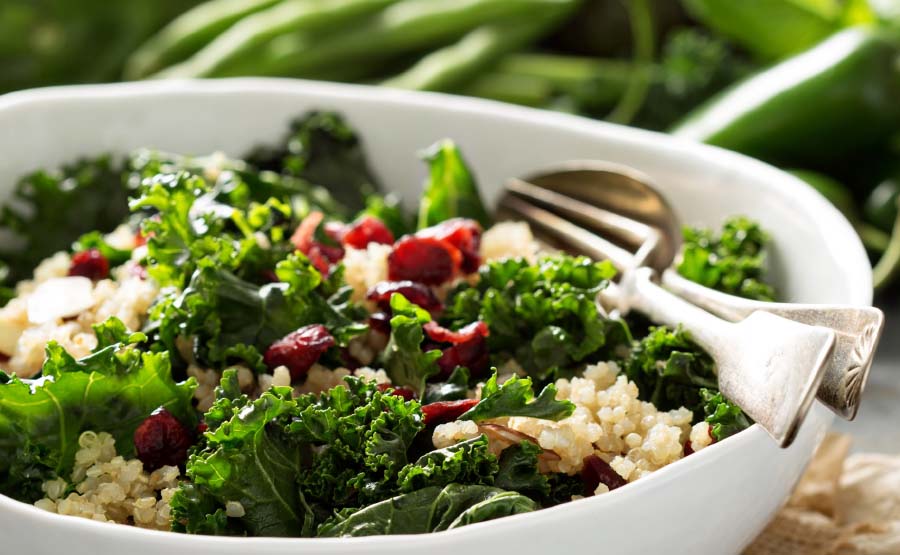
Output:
x=714 y=502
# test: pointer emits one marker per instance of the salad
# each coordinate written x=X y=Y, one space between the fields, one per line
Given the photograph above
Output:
x=270 y=346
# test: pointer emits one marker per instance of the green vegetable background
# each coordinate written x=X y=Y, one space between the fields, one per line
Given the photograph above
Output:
x=812 y=86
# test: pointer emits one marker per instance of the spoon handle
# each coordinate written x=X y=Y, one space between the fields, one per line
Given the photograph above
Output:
x=770 y=366
x=858 y=330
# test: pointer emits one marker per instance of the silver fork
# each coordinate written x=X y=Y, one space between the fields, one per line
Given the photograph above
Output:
x=651 y=229
x=770 y=366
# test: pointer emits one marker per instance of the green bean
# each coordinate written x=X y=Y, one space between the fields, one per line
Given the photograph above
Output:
x=187 y=33
x=594 y=84
x=635 y=94
x=290 y=17
x=404 y=27
x=888 y=267
x=454 y=65
x=515 y=89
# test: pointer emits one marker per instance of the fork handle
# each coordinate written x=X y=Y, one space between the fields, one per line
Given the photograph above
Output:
x=638 y=291
x=842 y=318
x=858 y=331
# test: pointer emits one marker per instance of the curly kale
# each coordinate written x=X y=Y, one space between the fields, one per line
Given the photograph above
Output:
x=725 y=418
x=551 y=304
x=403 y=358
x=40 y=221
x=515 y=397
x=323 y=149
x=733 y=262
x=111 y=390
x=670 y=370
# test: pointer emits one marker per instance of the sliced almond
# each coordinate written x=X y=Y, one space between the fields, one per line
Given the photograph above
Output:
x=60 y=298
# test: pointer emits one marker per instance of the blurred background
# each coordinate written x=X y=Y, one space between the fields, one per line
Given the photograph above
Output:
x=812 y=86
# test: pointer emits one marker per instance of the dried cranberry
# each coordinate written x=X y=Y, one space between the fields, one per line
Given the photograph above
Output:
x=90 y=264
x=442 y=335
x=446 y=411
x=467 y=347
x=380 y=322
x=162 y=440
x=415 y=293
x=688 y=448
x=299 y=350
x=364 y=231
x=473 y=354
x=423 y=260
x=596 y=471
x=462 y=233
x=405 y=392
x=321 y=255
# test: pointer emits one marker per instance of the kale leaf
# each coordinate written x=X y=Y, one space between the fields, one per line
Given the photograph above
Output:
x=249 y=459
x=112 y=390
x=426 y=510
x=41 y=220
x=450 y=191
x=466 y=462
x=361 y=437
x=518 y=471
x=403 y=358
x=322 y=149
x=455 y=388
x=516 y=398
x=725 y=418
x=670 y=370
x=232 y=319
x=733 y=262
x=552 y=302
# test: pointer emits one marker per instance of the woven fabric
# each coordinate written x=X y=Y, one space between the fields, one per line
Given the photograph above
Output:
x=842 y=506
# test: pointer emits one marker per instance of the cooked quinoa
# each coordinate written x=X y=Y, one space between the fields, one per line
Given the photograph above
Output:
x=108 y=488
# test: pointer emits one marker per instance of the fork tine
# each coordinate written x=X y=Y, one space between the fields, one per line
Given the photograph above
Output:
x=630 y=231
x=580 y=239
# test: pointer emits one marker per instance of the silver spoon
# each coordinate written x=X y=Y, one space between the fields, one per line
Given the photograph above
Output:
x=638 y=216
x=770 y=366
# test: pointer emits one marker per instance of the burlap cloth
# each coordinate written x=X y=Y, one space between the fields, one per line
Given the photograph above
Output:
x=842 y=506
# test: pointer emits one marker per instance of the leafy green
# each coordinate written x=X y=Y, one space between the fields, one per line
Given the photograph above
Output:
x=231 y=319
x=466 y=462
x=544 y=314
x=450 y=191
x=112 y=390
x=733 y=262
x=670 y=370
x=428 y=510
x=403 y=358
x=249 y=459
x=322 y=149
x=516 y=398
x=41 y=220
x=455 y=388
x=362 y=436
x=518 y=471
x=724 y=417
